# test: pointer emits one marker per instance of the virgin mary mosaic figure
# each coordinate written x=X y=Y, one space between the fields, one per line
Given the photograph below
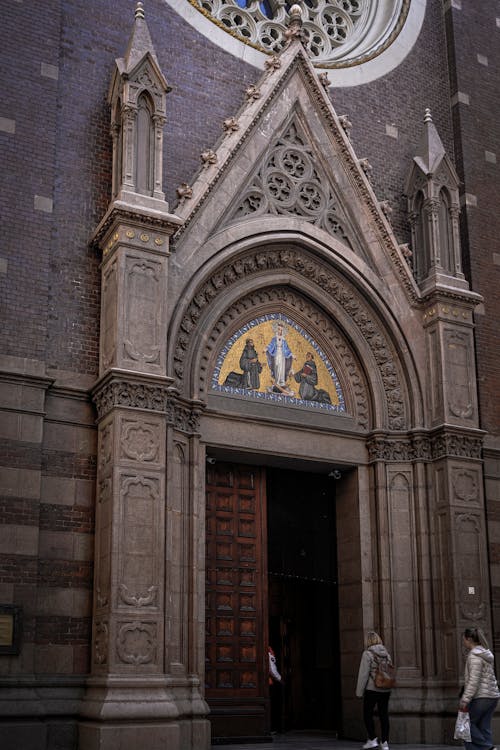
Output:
x=279 y=357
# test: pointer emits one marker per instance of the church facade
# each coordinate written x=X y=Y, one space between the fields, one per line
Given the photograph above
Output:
x=249 y=365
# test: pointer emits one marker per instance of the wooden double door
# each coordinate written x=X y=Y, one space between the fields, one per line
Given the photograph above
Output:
x=270 y=581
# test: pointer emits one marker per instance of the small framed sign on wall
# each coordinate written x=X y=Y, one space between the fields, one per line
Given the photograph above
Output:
x=10 y=629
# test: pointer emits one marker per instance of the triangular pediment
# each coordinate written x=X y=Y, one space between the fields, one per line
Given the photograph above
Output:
x=291 y=180
x=286 y=156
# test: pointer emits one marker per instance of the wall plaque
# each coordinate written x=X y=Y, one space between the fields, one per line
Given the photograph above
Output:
x=10 y=629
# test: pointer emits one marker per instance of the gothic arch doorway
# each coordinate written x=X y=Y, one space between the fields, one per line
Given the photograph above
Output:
x=272 y=579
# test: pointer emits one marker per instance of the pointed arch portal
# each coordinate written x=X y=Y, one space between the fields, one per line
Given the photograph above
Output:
x=278 y=255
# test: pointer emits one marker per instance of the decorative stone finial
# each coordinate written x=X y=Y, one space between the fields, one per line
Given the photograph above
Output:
x=428 y=116
x=184 y=191
x=346 y=124
x=209 y=157
x=231 y=125
x=294 y=29
x=139 y=11
x=365 y=166
x=324 y=80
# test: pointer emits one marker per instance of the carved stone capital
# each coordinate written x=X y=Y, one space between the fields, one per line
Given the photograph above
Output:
x=129 y=112
x=123 y=391
x=424 y=447
x=411 y=448
x=458 y=445
x=119 y=392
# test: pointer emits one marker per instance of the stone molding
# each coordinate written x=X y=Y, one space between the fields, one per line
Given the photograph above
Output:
x=258 y=262
x=123 y=391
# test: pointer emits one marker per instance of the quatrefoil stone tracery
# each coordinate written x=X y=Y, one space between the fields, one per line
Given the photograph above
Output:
x=289 y=183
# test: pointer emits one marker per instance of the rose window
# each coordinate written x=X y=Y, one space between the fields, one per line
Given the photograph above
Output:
x=337 y=33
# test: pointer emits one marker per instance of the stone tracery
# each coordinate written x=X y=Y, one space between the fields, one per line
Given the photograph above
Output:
x=289 y=182
x=334 y=31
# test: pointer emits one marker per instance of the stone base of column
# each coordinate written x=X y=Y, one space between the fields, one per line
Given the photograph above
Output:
x=142 y=714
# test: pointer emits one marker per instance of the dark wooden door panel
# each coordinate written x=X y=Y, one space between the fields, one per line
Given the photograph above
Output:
x=236 y=600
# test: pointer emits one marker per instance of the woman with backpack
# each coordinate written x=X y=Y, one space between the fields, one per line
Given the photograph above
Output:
x=375 y=658
x=480 y=693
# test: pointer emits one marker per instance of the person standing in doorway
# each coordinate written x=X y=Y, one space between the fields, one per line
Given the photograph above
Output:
x=374 y=697
x=480 y=693
x=275 y=695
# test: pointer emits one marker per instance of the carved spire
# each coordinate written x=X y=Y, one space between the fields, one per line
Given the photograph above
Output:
x=140 y=40
x=137 y=97
x=431 y=150
x=433 y=209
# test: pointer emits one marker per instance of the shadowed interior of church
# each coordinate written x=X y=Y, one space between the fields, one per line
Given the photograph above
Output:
x=303 y=612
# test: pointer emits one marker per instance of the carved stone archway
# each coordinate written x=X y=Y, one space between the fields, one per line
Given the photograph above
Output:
x=265 y=269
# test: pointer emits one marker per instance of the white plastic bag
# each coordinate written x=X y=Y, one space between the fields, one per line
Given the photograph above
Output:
x=462 y=726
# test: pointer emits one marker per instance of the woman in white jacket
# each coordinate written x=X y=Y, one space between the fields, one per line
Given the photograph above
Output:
x=373 y=696
x=480 y=694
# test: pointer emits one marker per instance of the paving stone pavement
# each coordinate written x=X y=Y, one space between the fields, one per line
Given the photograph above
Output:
x=318 y=741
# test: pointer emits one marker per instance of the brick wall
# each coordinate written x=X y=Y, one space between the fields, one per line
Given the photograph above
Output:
x=474 y=48
x=475 y=41
x=54 y=188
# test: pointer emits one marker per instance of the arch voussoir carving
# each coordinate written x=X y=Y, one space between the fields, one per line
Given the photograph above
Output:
x=301 y=263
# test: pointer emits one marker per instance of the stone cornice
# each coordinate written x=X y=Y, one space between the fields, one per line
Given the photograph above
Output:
x=121 y=212
x=463 y=297
x=24 y=378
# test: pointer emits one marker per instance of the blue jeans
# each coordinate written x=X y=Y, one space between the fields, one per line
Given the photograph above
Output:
x=480 y=713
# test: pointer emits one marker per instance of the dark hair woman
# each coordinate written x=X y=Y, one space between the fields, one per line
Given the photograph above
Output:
x=480 y=694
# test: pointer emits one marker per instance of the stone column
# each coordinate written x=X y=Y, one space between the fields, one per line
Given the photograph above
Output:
x=460 y=569
x=143 y=689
